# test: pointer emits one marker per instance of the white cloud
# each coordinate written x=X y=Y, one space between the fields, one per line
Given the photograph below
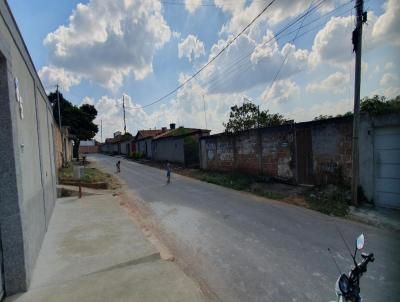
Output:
x=191 y=47
x=388 y=65
x=332 y=44
x=281 y=91
x=248 y=63
x=192 y=5
x=389 y=79
x=279 y=11
x=334 y=83
x=87 y=100
x=176 y=34
x=389 y=92
x=386 y=27
x=52 y=76
x=301 y=114
x=104 y=41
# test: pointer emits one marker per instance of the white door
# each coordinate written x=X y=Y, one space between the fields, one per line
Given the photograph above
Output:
x=387 y=166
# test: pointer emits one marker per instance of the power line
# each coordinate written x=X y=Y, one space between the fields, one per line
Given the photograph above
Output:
x=276 y=37
x=287 y=54
x=239 y=70
x=210 y=61
x=209 y=4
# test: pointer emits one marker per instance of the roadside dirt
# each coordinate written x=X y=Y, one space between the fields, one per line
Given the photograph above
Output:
x=143 y=217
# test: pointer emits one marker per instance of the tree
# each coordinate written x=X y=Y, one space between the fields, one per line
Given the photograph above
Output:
x=78 y=119
x=249 y=116
x=376 y=105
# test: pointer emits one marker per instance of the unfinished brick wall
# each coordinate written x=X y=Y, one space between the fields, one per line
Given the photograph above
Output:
x=219 y=153
x=278 y=156
x=332 y=151
x=275 y=151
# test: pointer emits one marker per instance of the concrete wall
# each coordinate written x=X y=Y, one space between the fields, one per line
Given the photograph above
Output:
x=27 y=160
x=169 y=149
x=125 y=147
x=273 y=151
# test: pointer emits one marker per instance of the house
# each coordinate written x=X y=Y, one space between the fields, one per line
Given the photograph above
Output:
x=27 y=159
x=180 y=145
x=115 y=145
x=63 y=145
x=143 y=141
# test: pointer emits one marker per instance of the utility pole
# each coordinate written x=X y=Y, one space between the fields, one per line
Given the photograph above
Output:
x=123 y=107
x=101 y=130
x=58 y=105
x=357 y=48
x=63 y=157
x=205 y=113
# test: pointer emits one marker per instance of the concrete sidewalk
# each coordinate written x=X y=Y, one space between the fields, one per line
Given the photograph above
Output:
x=93 y=252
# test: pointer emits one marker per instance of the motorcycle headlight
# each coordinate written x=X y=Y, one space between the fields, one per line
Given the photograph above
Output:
x=343 y=285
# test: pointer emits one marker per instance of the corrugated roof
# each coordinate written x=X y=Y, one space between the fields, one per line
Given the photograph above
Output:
x=148 y=133
x=180 y=132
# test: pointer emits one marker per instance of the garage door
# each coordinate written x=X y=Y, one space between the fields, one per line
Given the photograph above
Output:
x=387 y=167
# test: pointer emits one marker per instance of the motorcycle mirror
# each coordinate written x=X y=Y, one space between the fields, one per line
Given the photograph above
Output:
x=360 y=242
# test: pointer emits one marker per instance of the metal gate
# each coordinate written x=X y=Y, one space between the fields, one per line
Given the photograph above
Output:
x=387 y=166
x=304 y=156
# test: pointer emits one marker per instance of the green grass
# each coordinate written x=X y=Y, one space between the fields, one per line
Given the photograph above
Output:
x=235 y=181
x=91 y=175
x=271 y=195
x=329 y=201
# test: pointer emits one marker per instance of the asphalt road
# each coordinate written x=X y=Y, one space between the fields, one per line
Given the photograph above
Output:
x=252 y=249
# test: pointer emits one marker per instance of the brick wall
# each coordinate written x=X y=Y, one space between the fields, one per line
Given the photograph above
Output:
x=332 y=151
x=275 y=151
x=88 y=149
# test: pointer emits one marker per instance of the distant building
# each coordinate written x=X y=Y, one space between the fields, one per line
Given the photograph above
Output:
x=89 y=146
x=144 y=139
x=115 y=145
x=180 y=145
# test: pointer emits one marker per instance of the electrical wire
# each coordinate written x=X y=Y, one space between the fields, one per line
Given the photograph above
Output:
x=277 y=37
x=210 y=61
x=272 y=39
x=287 y=53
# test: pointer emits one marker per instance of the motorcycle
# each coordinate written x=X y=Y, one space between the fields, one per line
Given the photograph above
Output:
x=347 y=287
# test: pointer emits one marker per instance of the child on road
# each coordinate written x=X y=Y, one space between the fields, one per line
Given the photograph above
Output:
x=118 y=164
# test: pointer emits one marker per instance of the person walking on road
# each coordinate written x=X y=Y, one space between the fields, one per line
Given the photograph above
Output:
x=168 y=173
x=118 y=164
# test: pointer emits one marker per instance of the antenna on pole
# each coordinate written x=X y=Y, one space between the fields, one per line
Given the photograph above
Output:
x=123 y=107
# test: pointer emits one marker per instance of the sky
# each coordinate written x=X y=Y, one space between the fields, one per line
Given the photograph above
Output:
x=98 y=51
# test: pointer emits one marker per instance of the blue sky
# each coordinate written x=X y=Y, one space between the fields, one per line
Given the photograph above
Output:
x=97 y=50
